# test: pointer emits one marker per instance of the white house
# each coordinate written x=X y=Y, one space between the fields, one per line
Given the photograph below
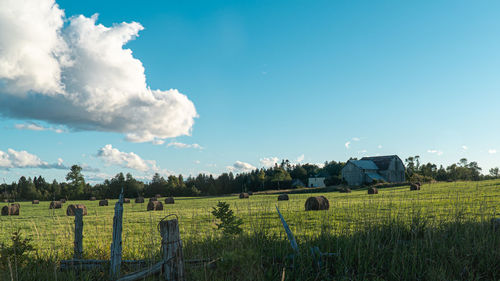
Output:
x=316 y=182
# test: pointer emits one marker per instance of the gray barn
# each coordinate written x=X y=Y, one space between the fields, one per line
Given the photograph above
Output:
x=367 y=169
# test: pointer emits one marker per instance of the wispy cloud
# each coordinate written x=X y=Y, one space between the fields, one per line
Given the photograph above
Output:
x=464 y=147
x=349 y=142
x=300 y=158
x=433 y=151
x=379 y=146
x=184 y=145
x=492 y=151
x=37 y=127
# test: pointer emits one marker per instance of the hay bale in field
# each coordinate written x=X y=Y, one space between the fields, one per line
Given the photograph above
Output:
x=414 y=186
x=139 y=200
x=317 y=203
x=244 y=195
x=17 y=204
x=62 y=200
x=169 y=200
x=71 y=210
x=126 y=200
x=11 y=210
x=103 y=202
x=372 y=190
x=250 y=193
x=345 y=190
x=55 y=205
x=5 y=200
x=92 y=198
x=35 y=202
x=12 y=200
x=158 y=196
x=283 y=197
x=152 y=199
x=155 y=206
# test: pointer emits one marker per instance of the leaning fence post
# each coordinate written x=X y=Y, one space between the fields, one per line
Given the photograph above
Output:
x=78 y=233
x=116 y=245
x=171 y=245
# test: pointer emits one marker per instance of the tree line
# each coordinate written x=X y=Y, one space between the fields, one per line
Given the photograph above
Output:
x=281 y=176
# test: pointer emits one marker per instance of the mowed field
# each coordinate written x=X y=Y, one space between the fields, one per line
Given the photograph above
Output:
x=356 y=224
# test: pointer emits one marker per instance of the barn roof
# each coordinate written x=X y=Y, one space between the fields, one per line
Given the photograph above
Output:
x=375 y=176
x=382 y=162
x=364 y=164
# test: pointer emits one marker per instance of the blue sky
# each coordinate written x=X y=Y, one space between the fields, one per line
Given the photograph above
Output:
x=307 y=81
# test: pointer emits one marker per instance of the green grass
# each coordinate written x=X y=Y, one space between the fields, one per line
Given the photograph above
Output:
x=441 y=232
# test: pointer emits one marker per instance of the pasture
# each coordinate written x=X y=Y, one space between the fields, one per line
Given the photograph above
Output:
x=440 y=232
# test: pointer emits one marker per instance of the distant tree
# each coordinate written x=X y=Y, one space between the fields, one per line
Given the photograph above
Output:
x=76 y=187
x=494 y=172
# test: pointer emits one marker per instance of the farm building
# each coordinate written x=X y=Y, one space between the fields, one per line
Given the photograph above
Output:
x=317 y=181
x=368 y=169
x=297 y=183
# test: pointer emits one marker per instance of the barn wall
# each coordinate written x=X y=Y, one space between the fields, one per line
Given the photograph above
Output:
x=352 y=174
x=395 y=172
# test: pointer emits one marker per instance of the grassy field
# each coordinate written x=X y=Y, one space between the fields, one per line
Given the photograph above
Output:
x=442 y=232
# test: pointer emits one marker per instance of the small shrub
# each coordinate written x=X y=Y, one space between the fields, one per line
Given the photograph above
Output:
x=17 y=252
x=229 y=223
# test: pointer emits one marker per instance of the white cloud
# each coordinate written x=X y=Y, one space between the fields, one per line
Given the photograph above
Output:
x=356 y=139
x=464 y=147
x=79 y=75
x=36 y=127
x=113 y=156
x=239 y=166
x=347 y=144
x=433 y=151
x=362 y=151
x=184 y=145
x=300 y=158
x=268 y=161
x=197 y=161
x=379 y=146
x=492 y=151
x=24 y=159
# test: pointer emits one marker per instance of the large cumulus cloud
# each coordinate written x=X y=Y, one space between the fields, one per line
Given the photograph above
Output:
x=79 y=75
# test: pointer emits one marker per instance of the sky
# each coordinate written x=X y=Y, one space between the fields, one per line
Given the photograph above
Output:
x=188 y=87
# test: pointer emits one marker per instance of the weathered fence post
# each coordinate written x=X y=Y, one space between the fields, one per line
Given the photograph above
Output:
x=171 y=245
x=116 y=245
x=78 y=233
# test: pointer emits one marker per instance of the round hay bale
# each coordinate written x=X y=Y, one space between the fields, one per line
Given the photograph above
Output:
x=152 y=199
x=414 y=186
x=283 y=197
x=103 y=202
x=244 y=195
x=345 y=190
x=317 y=203
x=11 y=210
x=139 y=200
x=17 y=204
x=372 y=190
x=169 y=200
x=126 y=200
x=250 y=193
x=71 y=210
x=155 y=206
x=12 y=200
x=92 y=198
x=62 y=200
x=55 y=205
x=158 y=196
x=35 y=202
x=5 y=200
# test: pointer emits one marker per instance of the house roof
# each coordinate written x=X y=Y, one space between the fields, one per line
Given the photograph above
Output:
x=382 y=162
x=364 y=164
x=375 y=176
